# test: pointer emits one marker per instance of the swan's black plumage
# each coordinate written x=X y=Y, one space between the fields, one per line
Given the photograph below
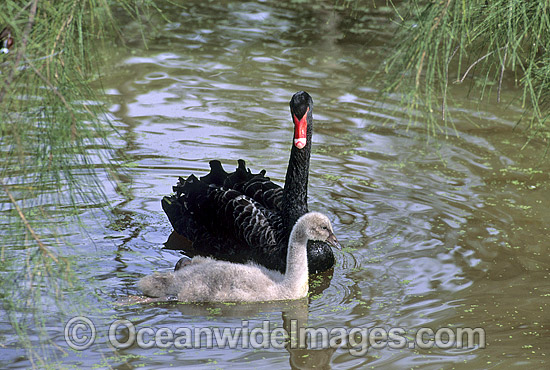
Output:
x=241 y=216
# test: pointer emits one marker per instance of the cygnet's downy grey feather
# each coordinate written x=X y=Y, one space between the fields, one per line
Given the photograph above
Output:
x=209 y=280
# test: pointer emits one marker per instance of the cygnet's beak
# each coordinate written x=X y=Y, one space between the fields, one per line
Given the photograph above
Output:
x=333 y=241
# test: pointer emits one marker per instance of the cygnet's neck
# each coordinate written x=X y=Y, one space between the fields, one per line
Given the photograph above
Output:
x=296 y=274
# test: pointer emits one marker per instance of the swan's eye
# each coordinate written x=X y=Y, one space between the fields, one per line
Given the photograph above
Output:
x=325 y=228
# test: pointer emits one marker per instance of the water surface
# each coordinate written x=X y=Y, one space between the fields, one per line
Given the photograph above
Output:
x=445 y=232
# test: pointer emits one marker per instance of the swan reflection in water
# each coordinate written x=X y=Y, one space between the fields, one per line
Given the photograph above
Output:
x=294 y=317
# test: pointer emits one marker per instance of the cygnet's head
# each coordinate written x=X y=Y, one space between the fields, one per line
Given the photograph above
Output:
x=318 y=227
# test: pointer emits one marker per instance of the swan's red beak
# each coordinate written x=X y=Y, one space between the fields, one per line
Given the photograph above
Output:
x=300 y=130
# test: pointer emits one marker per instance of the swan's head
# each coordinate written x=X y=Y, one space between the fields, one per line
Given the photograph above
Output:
x=317 y=226
x=301 y=107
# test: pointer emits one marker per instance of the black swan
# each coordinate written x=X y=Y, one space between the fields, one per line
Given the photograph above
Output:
x=209 y=280
x=242 y=216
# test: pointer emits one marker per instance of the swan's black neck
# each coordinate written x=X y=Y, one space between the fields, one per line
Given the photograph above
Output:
x=294 y=202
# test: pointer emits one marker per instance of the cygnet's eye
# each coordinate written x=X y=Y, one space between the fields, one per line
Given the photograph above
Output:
x=325 y=228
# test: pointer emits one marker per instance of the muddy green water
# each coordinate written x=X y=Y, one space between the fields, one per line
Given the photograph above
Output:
x=439 y=233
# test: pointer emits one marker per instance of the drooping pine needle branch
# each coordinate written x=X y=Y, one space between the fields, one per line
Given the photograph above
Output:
x=51 y=122
x=477 y=42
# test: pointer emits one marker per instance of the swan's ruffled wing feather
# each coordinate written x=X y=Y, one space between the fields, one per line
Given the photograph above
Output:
x=257 y=186
x=229 y=222
x=239 y=216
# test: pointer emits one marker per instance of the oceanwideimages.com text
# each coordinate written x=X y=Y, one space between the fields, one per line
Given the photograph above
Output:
x=80 y=333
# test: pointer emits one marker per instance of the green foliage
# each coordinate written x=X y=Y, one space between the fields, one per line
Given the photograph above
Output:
x=484 y=42
x=54 y=137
